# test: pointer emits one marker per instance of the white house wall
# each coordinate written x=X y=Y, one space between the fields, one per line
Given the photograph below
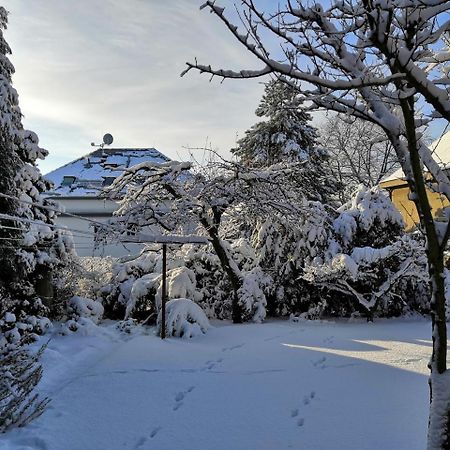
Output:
x=93 y=209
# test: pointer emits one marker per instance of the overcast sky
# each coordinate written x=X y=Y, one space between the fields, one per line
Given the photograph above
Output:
x=87 y=67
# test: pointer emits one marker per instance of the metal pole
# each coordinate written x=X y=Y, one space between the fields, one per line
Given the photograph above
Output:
x=163 y=294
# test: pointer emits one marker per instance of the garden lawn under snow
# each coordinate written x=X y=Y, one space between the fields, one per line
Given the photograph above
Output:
x=278 y=385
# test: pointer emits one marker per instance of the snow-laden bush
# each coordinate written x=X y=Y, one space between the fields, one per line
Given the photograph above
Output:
x=20 y=372
x=145 y=297
x=181 y=283
x=369 y=219
x=21 y=326
x=184 y=319
x=212 y=285
x=119 y=299
x=337 y=263
x=84 y=315
x=80 y=325
x=213 y=291
x=371 y=267
x=252 y=296
x=319 y=265
x=284 y=247
x=85 y=307
x=134 y=290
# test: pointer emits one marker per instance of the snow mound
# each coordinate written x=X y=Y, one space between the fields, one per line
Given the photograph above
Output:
x=86 y=314
x=87 y=308
x=184 y=318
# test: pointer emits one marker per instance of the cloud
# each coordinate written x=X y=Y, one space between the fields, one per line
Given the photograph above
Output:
x=87 y=67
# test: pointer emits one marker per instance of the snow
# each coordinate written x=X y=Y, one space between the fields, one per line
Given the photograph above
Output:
x=91 y=169
x=184 y=318
x=277 y=385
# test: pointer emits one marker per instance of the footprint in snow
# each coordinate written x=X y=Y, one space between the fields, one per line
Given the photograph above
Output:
x=320 y=363
x=233 y=347
x=179 y=397
x=296 y=412
x=155 y=432
x=177 y=406
x=211 y=364
x=142 y=440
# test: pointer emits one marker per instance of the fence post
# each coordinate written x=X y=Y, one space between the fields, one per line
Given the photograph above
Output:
x=163 y=294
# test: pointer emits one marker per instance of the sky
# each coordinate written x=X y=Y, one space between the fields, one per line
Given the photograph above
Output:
x=88 y=67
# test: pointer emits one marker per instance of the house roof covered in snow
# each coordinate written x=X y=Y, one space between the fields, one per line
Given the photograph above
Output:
x=88 y=175
x=441 y=153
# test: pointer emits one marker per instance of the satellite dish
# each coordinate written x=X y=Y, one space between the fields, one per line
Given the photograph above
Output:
x=108 y=139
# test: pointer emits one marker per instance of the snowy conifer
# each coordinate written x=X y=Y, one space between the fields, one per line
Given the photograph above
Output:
x=31 y=248
x=286 y=138
x=20 y=372
x=285 y=135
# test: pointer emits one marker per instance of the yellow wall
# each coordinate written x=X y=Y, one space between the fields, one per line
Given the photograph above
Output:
x=399 y=191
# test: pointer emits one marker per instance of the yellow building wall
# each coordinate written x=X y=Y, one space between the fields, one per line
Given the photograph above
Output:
x=399 y=196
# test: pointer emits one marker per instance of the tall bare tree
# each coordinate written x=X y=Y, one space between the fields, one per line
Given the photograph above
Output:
x=381 y=62
x=360 y=153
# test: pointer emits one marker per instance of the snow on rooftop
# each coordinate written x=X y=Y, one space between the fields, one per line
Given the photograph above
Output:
x=87 y=175
x=441 y=153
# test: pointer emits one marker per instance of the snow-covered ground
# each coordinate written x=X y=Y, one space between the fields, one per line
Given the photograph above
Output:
x=278 y=385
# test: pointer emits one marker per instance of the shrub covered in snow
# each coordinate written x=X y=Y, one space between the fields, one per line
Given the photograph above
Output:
x=20 y=372
x=84 y=315
x=132 y=289
x=371 y=266
x=252 y=295
x=135 y=288
x=85 y=307
x=327 y=262
x=336 y=263
x=184 y=319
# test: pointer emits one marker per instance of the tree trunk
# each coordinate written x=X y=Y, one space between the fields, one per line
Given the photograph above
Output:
x=44 y=286
x=439 y=420
x=227 y=266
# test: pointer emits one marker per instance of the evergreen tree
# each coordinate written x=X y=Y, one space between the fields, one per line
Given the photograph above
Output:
x=29 y=250
x=285 y=138
x=30 y=246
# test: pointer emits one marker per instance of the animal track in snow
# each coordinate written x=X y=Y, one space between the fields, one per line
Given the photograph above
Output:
x=155 y=432
x=209 y=365
x=177 y=406
x=233 y=347
x=295 y=413
x=320 y=363
x=142 y=440
x=179 y=397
